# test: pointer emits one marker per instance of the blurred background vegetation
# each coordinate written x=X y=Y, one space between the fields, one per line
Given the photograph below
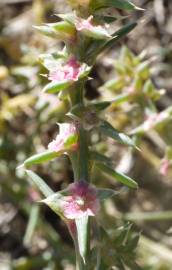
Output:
x=33 y=238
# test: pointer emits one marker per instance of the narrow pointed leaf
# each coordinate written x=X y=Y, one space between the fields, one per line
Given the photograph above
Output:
x=120 y=99
x=54 y=202
x=55 y=87
x=106 y=19
x=105 y=193
x=96 y=33
x=120 y=177
x=122 y=234
x=45 y=30
x=110 y=131
x=82 y=233
x=132 y=245
x=121 y=4
x=118 y=35
x=33 y=220
x=40 y=158
x=40 y=183
x=99 y=106
x=95 y=156
x=63 y=27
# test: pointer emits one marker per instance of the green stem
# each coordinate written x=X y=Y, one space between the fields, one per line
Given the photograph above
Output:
x=80 y=164
x=80 y=159
x=83 y=156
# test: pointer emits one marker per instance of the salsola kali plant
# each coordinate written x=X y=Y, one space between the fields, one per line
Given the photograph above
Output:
x=135 y=94
x=85 y=33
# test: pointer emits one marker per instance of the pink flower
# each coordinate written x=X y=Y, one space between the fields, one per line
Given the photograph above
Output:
x=164 y=166
x=81 y=201
x=91 y=30
x=70 y=71
x=67 y=132
x=84 y=24
x=78 y=200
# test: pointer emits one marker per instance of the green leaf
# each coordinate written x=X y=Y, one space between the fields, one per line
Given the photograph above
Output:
x=54 y=202
x=95 y=156
x=118 y=35
x=40 y=158
x=122 y=234
x=68 y=17
x=40 y=183
x=55 y=87
x=99 y=106
x=49 y=61
x=62 y=27
x=110 y=131
x=113 y=85
x=105 y=193
x=109 y=19
x=120 y=99
x=96 y=33
x=31 y=225
x=82 y=234
x=133 y=242
x=45 y=30
x=120 y=177
x=99 y=46
x=121 y=4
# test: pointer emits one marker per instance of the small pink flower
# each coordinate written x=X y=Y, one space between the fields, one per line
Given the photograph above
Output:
x=67 y=131
x=84 y=24
x=70 y=71
x=81 y=201
x=164 y=166
x=87 y=26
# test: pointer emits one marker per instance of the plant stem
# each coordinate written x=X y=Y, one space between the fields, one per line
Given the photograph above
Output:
x=80 y=164
x=83 y=156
